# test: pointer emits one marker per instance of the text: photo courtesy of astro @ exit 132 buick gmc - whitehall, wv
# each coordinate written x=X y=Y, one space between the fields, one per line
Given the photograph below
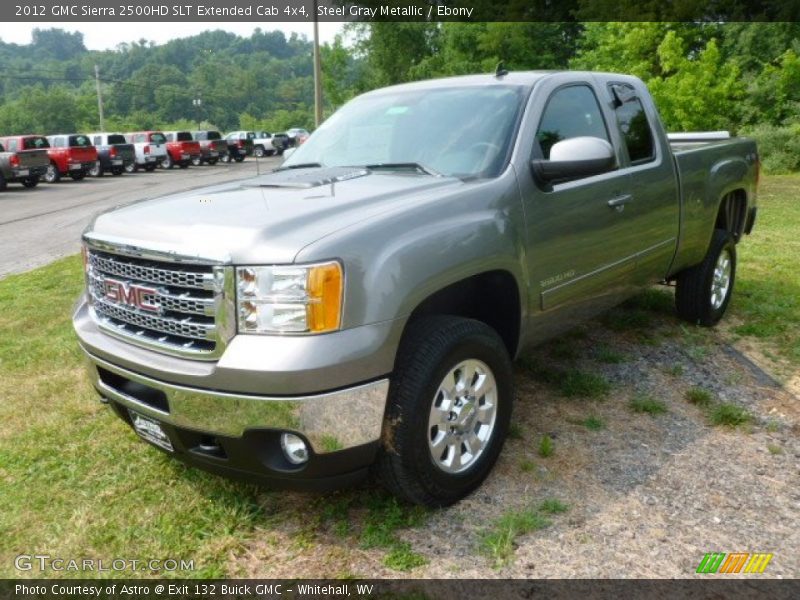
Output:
x=357 y=310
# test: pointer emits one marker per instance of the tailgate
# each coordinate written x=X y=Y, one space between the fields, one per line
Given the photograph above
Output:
x=33 y=158
x=219 y=145
x=83 y=154
x=125 y=151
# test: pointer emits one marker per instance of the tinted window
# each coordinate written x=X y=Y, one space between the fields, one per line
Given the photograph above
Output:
x=633 y=124
x=116 y=139
x=183 y=136
x=214 y=135
x=79 y=141
x=35 y=142
x=570 y=112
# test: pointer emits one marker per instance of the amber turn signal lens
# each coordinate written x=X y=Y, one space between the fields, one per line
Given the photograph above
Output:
x=325 y=297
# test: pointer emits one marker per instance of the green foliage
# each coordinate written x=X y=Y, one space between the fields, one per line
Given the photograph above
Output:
x=778 y=147
x=546 y=446
x=699 y=397
x=642 y=403
x=729 y=415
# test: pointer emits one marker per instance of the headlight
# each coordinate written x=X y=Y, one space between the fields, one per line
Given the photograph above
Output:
x=291 y=299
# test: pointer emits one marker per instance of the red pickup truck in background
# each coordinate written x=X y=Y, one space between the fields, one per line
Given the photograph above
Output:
x=23 y=159
x=70 y=154
x=182 y=149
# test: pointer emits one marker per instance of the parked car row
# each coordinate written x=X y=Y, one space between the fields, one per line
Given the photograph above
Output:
x=27 y=159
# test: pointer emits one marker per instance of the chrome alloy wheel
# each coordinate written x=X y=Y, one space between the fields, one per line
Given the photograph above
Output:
x=463 y=416
x=721 y=279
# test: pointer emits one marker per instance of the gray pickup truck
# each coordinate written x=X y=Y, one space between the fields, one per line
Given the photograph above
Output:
x=358 y=309
x=23 y=159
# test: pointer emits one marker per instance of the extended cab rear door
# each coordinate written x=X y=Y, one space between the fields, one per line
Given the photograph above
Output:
x=653 y=212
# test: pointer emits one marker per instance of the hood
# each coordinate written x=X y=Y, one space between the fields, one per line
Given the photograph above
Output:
x=267 y=219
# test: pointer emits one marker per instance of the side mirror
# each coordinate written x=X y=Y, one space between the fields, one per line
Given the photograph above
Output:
x=288 y=152
x=575 y=158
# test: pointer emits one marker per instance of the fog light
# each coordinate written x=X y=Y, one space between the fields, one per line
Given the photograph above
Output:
x=294 y=448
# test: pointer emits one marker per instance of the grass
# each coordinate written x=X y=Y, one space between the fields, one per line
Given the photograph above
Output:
x=699 y=397
x=729 y=415
x=499 y=540
x=767 y=294
x=526 y=466
x=610 y=357
x=577 y=383
x=642 y=403
x=546 y=446
x=774 y=449
x=593 y=423
x=515 y=431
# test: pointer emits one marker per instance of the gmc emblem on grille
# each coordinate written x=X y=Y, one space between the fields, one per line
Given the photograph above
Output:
x=130 y=294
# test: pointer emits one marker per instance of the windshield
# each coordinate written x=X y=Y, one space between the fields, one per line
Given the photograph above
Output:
x=32 y=143
x=116 y=139
x=79 y=141
x=462 y=132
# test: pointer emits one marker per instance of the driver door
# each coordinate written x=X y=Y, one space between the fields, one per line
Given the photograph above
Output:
x=580 y=256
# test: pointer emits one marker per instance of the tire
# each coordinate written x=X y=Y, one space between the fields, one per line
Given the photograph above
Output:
x=239 y=159
x=3 y=183
x=197 y=161
x=30 y=182
x=117 y=171
x=412 y=464
x=166 y=162
x=703 y=292
x=259 y=152
x=184 y=164
x=95 y=171
x=131 y=168
x=150 y=168
x=80 y=175
x=213 y=161
x=52 y=174
x=226 y=158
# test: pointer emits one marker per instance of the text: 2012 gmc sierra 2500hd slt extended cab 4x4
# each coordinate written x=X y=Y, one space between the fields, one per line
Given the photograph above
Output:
x=359 y=308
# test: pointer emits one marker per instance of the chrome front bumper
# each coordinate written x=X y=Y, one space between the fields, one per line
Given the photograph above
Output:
x=329 y=421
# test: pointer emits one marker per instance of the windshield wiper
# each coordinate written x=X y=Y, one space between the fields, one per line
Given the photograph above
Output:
x=404 y=165
x=310 y=165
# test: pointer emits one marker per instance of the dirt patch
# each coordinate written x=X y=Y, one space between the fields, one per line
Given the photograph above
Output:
x=649 y=493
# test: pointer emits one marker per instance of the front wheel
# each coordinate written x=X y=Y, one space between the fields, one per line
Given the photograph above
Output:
x=448 y=412
x=226 y=158
x=239 y=159
x=259 y=152
x=703 y=292
x=117 y=171
x=96 y=171
x=196 y=161
x=167 y=162
x=131 y=168
x=212 y=161
x=150 y=168
x=78 y=176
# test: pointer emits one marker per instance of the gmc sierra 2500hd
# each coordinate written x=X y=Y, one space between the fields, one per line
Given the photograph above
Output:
x=359 y=308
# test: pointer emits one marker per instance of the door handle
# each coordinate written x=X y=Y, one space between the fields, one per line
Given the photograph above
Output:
x=619 y=202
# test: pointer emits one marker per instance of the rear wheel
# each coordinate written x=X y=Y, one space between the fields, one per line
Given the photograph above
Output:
x=52 y=175
x=30 y=182
x=703 y=292
x=239 y=159
x=259 y=152
x=448 y=412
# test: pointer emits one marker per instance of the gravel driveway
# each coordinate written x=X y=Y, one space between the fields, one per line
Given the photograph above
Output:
x=648 y=493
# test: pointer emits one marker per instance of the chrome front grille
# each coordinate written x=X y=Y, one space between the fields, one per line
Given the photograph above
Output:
x=174 y=307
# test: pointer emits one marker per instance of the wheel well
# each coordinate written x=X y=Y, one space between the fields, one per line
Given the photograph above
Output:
x=491 y=297
x=732 y=213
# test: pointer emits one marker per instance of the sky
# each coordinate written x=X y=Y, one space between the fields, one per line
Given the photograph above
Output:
x=106 y=36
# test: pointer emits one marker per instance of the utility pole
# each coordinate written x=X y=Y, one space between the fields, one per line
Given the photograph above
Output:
x=317 y=72
x=99 y=97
